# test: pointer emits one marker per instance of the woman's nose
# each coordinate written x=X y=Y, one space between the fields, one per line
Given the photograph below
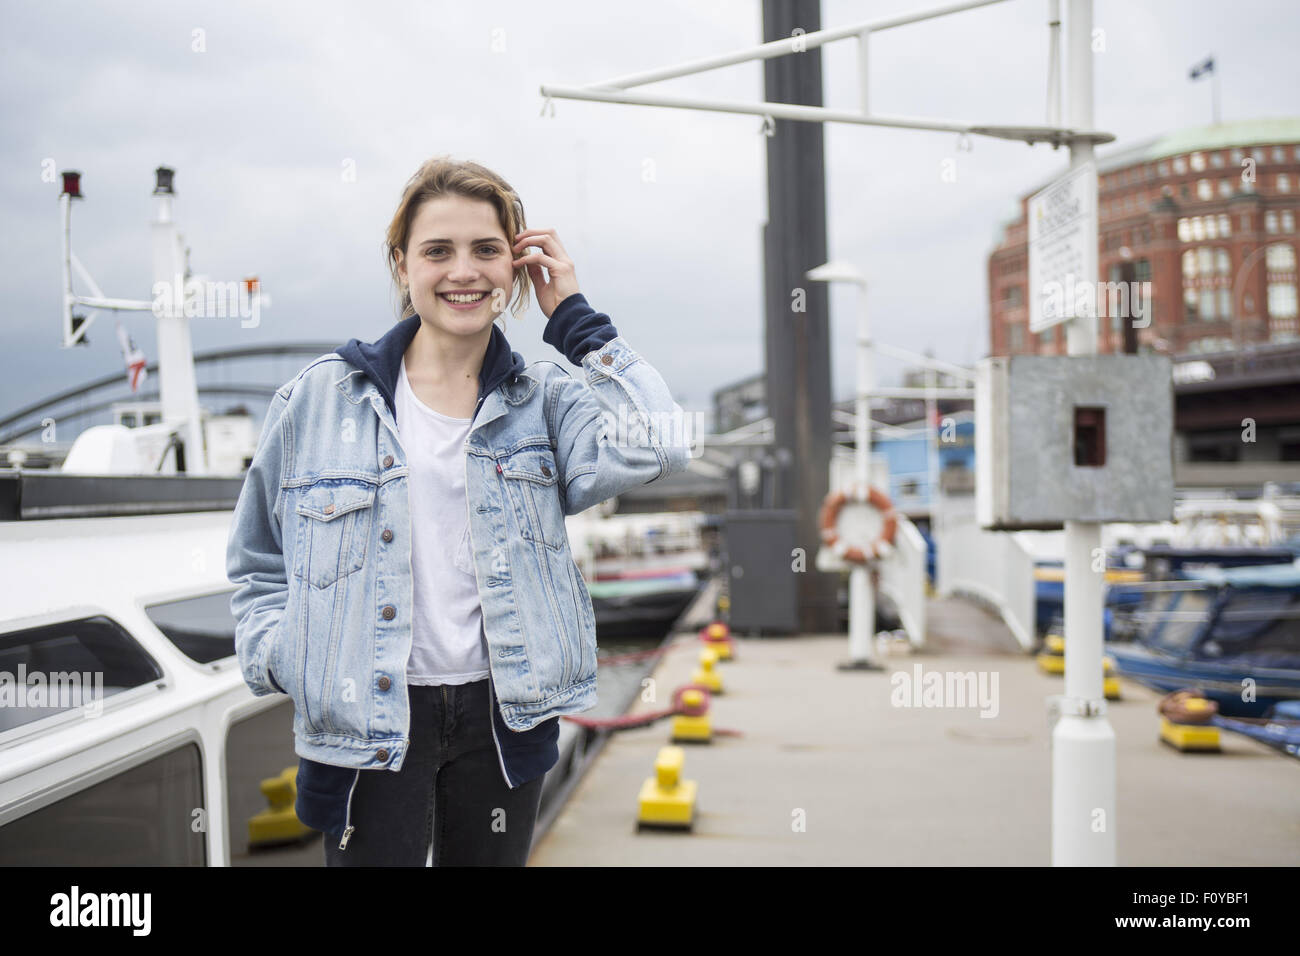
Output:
x=462 y=268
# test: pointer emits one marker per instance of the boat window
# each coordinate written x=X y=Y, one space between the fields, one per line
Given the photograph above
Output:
x=1177 y=618
x=1258 y=627
x=202 y=628
x=258 y=748
x=70 y=664
x=144 y=816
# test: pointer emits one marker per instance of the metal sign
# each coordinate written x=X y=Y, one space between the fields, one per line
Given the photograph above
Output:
x=1063 y=249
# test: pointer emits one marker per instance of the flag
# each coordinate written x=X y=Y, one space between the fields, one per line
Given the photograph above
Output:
x=134 y=358
x=1206 y=66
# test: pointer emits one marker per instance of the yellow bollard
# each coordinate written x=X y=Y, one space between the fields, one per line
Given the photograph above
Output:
x=666 y=800
x=716 y=636
x=1185 y=737
x=705 y=674
x=692 y=728
x=278 y=823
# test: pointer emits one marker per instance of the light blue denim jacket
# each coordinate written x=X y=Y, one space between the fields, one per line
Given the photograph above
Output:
x=320 y=543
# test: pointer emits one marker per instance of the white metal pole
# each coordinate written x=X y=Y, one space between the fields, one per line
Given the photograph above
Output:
x=1083 y=742
x=931 y=443
x=862 y=602
x=1054 y=63
x=176 y=381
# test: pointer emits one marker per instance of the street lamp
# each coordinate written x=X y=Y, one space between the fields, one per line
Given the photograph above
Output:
x=862 y=599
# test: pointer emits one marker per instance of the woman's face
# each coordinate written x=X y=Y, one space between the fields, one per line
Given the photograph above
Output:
x=456 y=244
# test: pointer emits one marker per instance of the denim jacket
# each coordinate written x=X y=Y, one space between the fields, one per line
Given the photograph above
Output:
x=320 y=544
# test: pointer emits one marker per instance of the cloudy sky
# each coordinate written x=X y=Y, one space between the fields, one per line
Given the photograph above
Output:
x=261 y=121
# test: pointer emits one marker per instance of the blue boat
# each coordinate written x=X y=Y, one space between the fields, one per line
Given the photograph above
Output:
x=1232 y=633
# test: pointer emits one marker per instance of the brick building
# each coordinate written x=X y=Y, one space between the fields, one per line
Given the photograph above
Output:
x=1207 y=215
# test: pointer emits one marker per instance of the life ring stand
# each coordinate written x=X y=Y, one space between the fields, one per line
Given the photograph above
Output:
x=883 y=544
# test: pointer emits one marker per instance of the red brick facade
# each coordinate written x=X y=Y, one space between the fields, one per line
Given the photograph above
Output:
x=1167 y=212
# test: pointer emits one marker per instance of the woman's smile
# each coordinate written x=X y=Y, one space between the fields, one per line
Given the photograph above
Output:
x=463 y=301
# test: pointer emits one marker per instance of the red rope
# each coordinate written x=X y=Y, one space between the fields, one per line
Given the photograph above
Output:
x=628 y=721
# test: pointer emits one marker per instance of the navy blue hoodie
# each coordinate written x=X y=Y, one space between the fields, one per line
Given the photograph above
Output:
x=574 y=329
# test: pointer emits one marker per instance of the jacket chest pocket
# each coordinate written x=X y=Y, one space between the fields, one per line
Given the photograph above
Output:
x=532 y=483
x=333 y=530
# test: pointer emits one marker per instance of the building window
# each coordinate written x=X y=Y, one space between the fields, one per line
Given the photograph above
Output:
x=1288 y=220
x=1163 y=168
x=1189 y=264
x=1216 y=160
x=1198 y=228
x=1184 y=191
x=1221 y=261
x=1016 y=337
x=1204 y=190
x=1279 y=154
x=1297 y=154
x=1189 y=302
x=1225 y=188
x=1205 y=260
x=1142 y=271
x=1225 y=306
x=1280 y=257
x=1184 y=230
x=1270 y=221
x=1012 y=296
x=1281 y=300
x=1180 y=164
x=1237 y=157
x=1225 y=230
x=1198 y=161
x=1283 y=183
x=1211 y=227
x=1260 y=156
x=1207 y=305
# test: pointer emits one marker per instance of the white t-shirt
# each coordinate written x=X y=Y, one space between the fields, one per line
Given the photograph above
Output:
x=447 y=641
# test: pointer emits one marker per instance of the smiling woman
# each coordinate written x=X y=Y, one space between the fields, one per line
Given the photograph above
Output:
x=406 y=573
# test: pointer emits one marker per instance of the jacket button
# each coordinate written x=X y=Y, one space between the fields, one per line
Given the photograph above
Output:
x=384 y=683
x=382 y=756
x=388 y=461
x=329 y=509
x=607 y=359
x=389 y=612
x=546 y=471
x=387 y=535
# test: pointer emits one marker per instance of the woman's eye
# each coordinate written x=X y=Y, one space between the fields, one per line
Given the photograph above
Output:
x=439 y=250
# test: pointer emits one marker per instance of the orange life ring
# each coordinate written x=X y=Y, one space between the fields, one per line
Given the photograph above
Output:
x=830 y=513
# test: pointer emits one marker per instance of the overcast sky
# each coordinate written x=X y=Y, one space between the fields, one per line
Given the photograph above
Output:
x=258 y=126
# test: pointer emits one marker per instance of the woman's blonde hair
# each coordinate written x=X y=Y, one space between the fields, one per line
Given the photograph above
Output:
x=444 y=176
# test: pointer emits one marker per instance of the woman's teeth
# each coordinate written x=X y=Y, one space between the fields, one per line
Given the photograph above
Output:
x=464 y=298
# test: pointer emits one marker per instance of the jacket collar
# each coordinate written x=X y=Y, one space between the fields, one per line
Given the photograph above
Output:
x=381 y=360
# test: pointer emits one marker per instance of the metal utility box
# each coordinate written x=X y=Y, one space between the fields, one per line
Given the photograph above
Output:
x=1073 y=438
x=764 y=589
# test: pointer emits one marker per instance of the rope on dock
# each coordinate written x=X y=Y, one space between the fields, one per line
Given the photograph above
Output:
x=629 y=721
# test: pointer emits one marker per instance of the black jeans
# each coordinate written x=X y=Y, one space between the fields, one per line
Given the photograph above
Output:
x=450 y=790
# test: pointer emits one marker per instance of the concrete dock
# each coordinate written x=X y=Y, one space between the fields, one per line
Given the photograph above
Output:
x=829 y=772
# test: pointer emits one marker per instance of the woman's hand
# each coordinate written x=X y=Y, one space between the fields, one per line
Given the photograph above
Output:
x=563 y=280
